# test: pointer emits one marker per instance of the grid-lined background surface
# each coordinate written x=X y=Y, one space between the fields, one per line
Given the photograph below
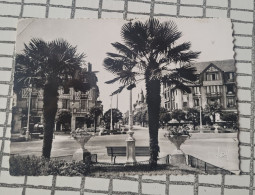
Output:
x=242 y=15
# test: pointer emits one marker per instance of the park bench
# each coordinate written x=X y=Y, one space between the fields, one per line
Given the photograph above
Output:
x=114 y=151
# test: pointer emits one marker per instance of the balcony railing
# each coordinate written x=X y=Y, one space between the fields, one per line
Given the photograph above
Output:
x=215 y=94
x=80 y=110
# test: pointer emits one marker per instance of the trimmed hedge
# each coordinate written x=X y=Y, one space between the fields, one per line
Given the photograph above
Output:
x=34 y=166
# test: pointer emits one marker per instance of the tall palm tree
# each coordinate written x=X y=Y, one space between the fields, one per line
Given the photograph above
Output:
x=149 y=52
x=47 y=66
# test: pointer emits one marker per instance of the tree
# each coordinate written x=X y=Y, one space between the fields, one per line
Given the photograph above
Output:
x=116 y=116
x=95 y=112
x=149 y=52
x=212 y=109
x=194 y=116
x=178 y=115
x=164 y=116
x=230 y=117
x=64 y=118
x=47 y=66
x=138 y=117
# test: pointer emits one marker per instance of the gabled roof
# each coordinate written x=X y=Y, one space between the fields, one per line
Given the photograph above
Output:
x=224 y=65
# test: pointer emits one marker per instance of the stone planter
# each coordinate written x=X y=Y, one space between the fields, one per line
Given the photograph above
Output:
x=82 y=137
x=177 y=157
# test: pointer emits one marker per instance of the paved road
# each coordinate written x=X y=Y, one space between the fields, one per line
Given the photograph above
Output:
x=218 y=149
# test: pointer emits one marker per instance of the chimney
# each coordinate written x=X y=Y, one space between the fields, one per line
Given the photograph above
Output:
x=89 y=67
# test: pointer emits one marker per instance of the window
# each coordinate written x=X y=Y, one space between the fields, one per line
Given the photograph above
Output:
x=230 y=76
x=83 y=104
x=212 y=76
x=197 y=90
x=196 y=102
x=185 y=104
x=230 y=89
x=65 y=104
x=213 y=89
x=34 y=103
x=230 y=102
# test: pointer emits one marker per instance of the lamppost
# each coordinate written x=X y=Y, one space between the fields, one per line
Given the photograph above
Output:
x=200 y=112
x=130 y=111
x=130 y=150
x=111 y=128
x=28 y=112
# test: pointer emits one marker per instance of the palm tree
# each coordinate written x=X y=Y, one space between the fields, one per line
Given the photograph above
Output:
x=47 y=66
x=149 y=52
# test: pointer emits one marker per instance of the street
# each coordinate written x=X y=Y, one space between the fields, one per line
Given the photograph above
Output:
x=218 y=149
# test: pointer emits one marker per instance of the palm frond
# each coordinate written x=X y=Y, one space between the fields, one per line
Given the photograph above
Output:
x=114 y=65
x=113 y=80
x=119 y=90
x=179 y=85
x=187 y=72
x=123 y=49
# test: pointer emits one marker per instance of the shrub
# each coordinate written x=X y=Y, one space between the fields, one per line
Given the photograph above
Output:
x=34 y=166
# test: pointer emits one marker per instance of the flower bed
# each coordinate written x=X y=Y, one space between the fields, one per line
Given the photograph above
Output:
x=34 y=166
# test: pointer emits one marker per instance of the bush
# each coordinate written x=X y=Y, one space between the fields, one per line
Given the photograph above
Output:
x=34 y=166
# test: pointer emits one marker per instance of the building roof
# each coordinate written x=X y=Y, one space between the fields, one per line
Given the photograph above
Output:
x=224 y=65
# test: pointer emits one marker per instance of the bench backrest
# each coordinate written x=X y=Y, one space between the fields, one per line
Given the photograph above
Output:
x=121 y=151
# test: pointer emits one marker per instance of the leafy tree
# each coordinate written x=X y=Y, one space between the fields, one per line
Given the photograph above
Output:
x=149 y=52
x=116 y=116
x=88 y=119
x=194 y=116
x=64 y=118
x=95 y=112
x=178 y=115
x=164 y=116
x=47 y=66
x=212 y=109
x=138 y=117
x=230 y=117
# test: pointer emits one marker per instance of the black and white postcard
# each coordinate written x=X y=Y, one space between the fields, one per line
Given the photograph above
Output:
x=111 y=96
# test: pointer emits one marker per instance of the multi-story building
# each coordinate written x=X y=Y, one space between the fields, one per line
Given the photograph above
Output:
x=75 y=103
x=216 y=83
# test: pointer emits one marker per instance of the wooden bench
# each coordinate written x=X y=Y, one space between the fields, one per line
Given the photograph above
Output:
x=114 y=151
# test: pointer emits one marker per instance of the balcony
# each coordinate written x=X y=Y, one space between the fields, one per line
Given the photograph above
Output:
x=80 y=110
x=216 y=94
x=210 y=83
x=230 y=93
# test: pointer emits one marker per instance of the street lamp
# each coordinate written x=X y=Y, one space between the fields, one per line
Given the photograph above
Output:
x=200 y=112
x=111 y=128
x=28 y=112
x=130 y=151
x=130 y=111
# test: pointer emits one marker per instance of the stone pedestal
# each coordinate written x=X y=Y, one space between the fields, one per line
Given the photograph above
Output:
x=178 y=157
x=130 y=149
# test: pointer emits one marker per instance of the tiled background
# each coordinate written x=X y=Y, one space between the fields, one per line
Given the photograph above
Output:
x=242 y=15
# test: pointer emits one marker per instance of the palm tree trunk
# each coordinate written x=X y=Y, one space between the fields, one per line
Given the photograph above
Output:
x=153 y=102
x=50 y=100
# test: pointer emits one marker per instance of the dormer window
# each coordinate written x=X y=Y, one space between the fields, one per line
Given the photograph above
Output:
x=212 y=76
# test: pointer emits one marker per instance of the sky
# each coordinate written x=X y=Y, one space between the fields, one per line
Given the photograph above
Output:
x=213 y=37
